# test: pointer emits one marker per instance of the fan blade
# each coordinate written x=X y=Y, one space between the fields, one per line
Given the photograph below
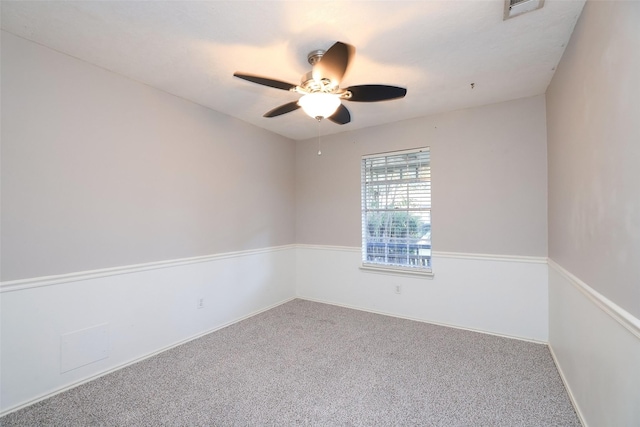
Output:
x=334 y=63
x=278 y=84
x=283 y=109
x=374 y=93
x=341 y=116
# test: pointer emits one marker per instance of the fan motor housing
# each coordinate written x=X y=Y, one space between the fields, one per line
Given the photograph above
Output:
x=309 y=84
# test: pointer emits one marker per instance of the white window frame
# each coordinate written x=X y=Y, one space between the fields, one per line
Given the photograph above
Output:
x=418 y=257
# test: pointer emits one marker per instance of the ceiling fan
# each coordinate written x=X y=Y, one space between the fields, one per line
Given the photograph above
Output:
x=320 y=88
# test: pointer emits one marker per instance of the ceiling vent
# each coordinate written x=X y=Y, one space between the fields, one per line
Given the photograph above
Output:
x=518 y=7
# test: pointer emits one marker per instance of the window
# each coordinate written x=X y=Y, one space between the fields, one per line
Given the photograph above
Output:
x=396 y=210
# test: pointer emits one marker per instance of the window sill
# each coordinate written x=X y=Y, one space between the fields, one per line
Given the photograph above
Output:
x=398 y=271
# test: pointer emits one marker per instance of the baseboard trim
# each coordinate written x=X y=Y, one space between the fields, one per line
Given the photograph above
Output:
x=415 y=319
x=439 y=254
x=36 y=282
x=572 y=398
x=620 y=315
x=139 y=359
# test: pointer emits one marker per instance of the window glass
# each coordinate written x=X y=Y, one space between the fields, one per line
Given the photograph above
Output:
x=396 y=209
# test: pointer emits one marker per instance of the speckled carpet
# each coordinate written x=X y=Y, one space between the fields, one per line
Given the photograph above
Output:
x=305 y=363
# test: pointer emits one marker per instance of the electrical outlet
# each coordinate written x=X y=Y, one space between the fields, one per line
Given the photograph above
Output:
x=398 y=289
x=200 y=303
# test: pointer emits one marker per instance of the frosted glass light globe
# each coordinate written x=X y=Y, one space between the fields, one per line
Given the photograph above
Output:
x=319 y=104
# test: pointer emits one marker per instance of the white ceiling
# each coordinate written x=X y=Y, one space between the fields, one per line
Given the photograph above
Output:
x=435 y=49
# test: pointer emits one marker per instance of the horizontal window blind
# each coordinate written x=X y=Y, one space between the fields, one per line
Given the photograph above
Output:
x=396 y=209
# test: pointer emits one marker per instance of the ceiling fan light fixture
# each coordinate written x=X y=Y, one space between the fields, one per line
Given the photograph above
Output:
x=319 y=104
x=320 y=88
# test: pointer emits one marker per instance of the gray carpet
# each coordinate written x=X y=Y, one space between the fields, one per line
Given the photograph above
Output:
x=305 y=363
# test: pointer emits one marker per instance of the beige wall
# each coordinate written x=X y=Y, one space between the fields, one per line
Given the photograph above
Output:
x=100 y=171
x=489 y=179
x=593 y=120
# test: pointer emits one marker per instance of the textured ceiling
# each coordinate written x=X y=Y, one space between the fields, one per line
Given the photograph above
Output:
x=435 y=49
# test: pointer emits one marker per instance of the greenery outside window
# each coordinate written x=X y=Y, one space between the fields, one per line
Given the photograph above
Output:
x=396 y=210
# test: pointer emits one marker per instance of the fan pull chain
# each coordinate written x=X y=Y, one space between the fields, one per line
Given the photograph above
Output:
x=319 y=149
